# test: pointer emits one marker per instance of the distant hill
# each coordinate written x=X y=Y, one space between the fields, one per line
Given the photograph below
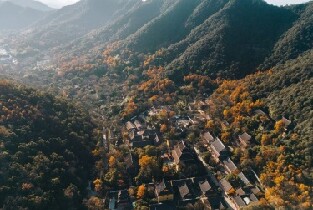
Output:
x=296 y=40
x=173 y=24
x=74 y=21
x=150 y=25
x=126 y=24
x=30 y=4
x=14 y=17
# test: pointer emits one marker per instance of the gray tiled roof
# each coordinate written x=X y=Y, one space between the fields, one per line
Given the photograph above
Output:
x=255 y=190
x=253 y=197
x=183 y=190
x=204 y=186
x=159 y=187
x=239 y=201
x=130 y=125
x=244 y=178
x=245 y=137
x=226 y=186
x=218 y=145
x=138 y=124
x=208 y=137
x=178 y=151
x=229 y=164
x=286 y=121
x=258 y=111
x=240 y=192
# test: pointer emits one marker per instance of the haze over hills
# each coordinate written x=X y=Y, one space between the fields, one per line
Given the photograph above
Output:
x=125 y=25
x=74 y=21
x=154 y=74
x=30 y=4
x=15 y=17
x=60 y=3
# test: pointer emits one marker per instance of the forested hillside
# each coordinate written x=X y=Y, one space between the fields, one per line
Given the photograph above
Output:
x=295 y=40
x=169 y=27
x=231 y=39
x=128 y=23
x=45 y=150
x=283 y=92
x=234 y=40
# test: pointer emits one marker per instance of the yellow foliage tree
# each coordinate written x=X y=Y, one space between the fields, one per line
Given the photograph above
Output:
x=95 y=203
x=210 y=124
x=141 y=191
x=163 y=128
x=111 y=161
x=225 y=137
x=265 y=140
x=145 y=160
x=279 y=126
x=98 y=185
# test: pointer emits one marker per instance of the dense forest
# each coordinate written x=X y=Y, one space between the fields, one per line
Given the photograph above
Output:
x=45 y=149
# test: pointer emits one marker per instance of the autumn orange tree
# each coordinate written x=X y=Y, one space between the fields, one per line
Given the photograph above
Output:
x=141 y=191
x=130 y=108
x=98 y=184
x=149 y=168
x=198 y=81
x=163 y=128
x=284 y=185
x=279 y=126
x=112 y=161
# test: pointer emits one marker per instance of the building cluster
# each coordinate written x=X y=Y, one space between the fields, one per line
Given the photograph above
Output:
x=187 y=179
x=140 y=135
x=236 y=196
